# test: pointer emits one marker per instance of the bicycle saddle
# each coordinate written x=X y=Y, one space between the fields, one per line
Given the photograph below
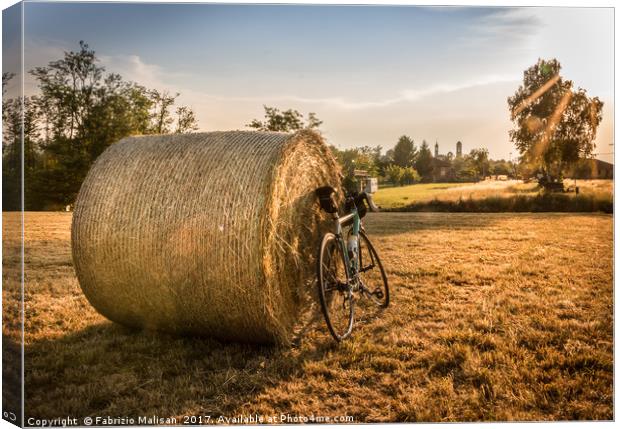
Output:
x=324 y=193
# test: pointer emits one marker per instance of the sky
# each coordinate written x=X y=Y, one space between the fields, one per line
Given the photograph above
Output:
x=371 y=73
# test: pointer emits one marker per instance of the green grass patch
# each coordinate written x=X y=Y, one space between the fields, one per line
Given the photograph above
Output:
x=497 y=196
x=398 y=195
x=517 y=203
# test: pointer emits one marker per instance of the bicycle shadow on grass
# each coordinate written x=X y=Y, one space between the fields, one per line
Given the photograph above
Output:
x=109 y=370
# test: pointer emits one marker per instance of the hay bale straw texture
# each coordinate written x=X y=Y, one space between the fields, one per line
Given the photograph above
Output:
x=210 y=233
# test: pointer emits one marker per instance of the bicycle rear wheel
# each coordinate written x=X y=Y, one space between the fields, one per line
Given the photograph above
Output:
x=334 y=289
x=372 y=273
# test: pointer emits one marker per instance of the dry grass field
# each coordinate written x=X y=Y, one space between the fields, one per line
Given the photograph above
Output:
x=493 y=317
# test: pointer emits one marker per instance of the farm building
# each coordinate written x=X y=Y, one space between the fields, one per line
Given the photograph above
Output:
x=365 y=182
x=593 y=169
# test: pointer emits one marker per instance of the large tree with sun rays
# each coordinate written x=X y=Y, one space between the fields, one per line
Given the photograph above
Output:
x=554 y=124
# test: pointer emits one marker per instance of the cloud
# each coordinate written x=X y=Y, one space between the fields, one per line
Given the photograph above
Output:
x=515 y=20
x=509 y=27
x=405 y=96
x=39 y=52
x=133 y=68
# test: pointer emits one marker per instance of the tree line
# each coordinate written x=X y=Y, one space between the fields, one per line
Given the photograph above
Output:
x=78 y=111
x=405 y=164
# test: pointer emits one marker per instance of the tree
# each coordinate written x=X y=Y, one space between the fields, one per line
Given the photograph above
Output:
x=501 y=167
x=11 y=148
x=383 y=159
x=366 y=159
x=83 y=111
x=554 y=125
x=410 y=176
x=404 y=152
x=424 y=161
x=394 y=173
x=480 y=161
x=285 y=121
x=162 y=118
x=120 y=109
x=363 y=158
x=69 y=85
x=464 y=169
x=78 y=112
x=6 y=77
x=186 y=120
x=313 y=122
x=19 y=119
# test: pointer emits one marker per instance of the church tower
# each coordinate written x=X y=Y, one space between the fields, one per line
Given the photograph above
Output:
x=459 y=149
x=436 y=149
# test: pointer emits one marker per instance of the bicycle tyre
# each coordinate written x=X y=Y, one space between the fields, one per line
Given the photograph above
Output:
x=329 y=254
x=385 y=301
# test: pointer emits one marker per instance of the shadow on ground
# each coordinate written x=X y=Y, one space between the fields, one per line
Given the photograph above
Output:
x=110 y=370
x=395 y=223
x=398 y=223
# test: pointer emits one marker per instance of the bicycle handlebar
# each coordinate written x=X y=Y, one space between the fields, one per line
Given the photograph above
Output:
x=326 y=199
x=371 y=204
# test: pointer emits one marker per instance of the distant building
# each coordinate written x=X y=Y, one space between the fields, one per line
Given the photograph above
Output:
x=442 y=166
x=442 y=169
x=593 y=169
x=363 y=178
x=602 y=170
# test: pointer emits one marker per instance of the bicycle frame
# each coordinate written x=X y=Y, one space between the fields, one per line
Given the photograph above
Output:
x=353 y=216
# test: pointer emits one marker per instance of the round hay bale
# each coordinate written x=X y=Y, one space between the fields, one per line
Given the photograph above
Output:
x=210 y=233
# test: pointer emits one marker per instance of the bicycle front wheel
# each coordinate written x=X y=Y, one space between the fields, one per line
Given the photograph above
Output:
x=334 y=288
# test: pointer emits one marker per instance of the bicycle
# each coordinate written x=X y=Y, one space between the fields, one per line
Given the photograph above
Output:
x=346 y=268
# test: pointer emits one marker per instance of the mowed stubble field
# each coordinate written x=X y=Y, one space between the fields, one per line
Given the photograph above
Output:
x=493 y=317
